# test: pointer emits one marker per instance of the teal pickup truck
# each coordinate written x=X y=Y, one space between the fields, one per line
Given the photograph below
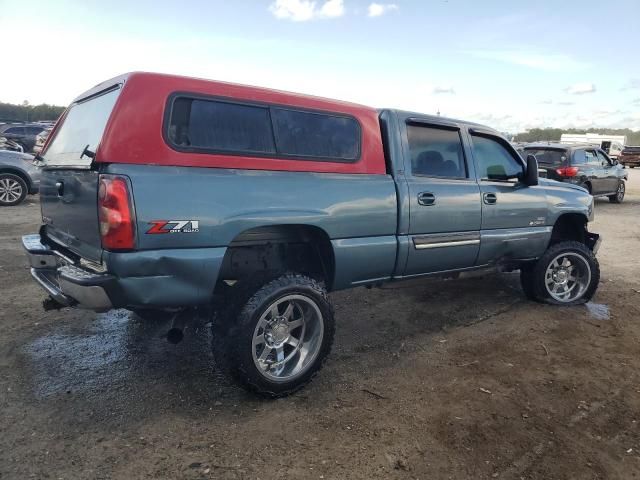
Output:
x=173 y=196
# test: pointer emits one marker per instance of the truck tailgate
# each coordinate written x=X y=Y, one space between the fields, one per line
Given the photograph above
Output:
x=68 y=199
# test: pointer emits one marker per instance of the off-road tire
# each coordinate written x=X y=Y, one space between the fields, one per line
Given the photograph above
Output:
x=14 y=179
x=234 y=326
x=540 y=267
x=527 y=281
x=619 y=195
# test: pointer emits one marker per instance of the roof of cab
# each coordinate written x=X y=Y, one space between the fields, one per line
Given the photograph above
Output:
x=437 y=119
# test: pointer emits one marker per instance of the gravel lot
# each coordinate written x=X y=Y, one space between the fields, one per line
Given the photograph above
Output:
x=428 y=379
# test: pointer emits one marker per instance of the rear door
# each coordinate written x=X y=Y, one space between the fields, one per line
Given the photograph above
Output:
x=444 y=199
x=69 y=186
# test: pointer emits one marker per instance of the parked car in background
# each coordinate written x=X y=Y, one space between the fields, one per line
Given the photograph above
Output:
x=41 y=139
x=19 y=177
x=6 y=144
x=24 y=135
x=583 y=165
x=630 y=157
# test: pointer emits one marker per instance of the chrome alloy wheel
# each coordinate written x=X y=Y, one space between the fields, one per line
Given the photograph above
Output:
x=10 y=190
x=287 y=338
x=567 y=277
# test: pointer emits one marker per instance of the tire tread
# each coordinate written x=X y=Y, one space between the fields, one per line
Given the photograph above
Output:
x=541 y=265
x=238 y=315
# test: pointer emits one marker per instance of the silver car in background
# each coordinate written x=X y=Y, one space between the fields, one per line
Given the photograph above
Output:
x=19 y=177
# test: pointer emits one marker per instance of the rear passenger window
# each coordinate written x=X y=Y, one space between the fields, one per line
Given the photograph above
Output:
x=436 y=152
x=221 y=126
x=307 y=134
x=212 y=126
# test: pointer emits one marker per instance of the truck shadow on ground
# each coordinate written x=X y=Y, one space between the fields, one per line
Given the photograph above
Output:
x=116 y=364
x=117 y=350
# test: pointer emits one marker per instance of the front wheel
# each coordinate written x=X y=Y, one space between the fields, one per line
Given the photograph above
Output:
x=276 y=341
x=568 y=273
x=619 y=195
x=13 y=189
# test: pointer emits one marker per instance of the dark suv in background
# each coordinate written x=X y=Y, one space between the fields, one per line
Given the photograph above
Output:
x=24 y=135
x=583 y=165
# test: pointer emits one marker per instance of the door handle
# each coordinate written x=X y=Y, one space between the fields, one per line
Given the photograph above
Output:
x=60 y=188
x=426 y=199
x=490 y=198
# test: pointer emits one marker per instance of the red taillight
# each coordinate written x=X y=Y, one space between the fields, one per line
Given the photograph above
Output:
x=567 y=171
x=117 y=223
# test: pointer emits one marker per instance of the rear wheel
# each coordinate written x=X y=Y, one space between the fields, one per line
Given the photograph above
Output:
x=13 y=189
x=619 y=195
x=276 y=341
x=568 y=273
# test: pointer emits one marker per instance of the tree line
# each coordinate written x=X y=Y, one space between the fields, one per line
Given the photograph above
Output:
x=10 y=112
x=553 y=134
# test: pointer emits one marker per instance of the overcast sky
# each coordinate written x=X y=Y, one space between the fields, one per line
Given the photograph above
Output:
x=512 y=65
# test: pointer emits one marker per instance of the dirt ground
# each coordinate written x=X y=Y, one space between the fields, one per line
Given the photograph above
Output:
x=428 y=379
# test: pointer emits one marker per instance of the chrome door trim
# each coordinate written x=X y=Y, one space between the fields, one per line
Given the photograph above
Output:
x=439 y=240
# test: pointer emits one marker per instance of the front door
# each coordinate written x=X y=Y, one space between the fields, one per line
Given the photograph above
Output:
x=514 y=215
x=595 y=173
x=444 y=200
x=609 y=177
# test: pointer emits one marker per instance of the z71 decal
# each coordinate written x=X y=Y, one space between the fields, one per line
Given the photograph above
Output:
x=174 y=226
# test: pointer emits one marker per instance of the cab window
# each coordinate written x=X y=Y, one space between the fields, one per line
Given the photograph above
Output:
x=436 y=152
x=493 y=160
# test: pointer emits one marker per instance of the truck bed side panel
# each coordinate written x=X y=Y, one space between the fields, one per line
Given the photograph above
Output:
x=350 y=209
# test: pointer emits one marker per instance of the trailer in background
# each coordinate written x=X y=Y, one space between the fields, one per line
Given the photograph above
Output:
x=612 y=144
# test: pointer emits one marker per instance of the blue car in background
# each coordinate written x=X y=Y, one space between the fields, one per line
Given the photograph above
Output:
x=19 y=177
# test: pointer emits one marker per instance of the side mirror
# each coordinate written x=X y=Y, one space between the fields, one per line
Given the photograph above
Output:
x=531 y=175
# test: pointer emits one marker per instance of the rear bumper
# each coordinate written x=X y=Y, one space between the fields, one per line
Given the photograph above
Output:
x=66 y=283
x=151 y=279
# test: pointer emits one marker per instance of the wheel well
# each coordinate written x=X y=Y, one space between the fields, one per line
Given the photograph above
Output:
x=275 y=249
x=570 y=226
x=17 y=173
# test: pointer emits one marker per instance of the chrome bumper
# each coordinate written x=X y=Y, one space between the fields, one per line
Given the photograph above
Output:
x=65 y=282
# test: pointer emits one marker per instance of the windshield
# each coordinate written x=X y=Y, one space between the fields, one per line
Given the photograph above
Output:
x=548 y=156
x=82 y=128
